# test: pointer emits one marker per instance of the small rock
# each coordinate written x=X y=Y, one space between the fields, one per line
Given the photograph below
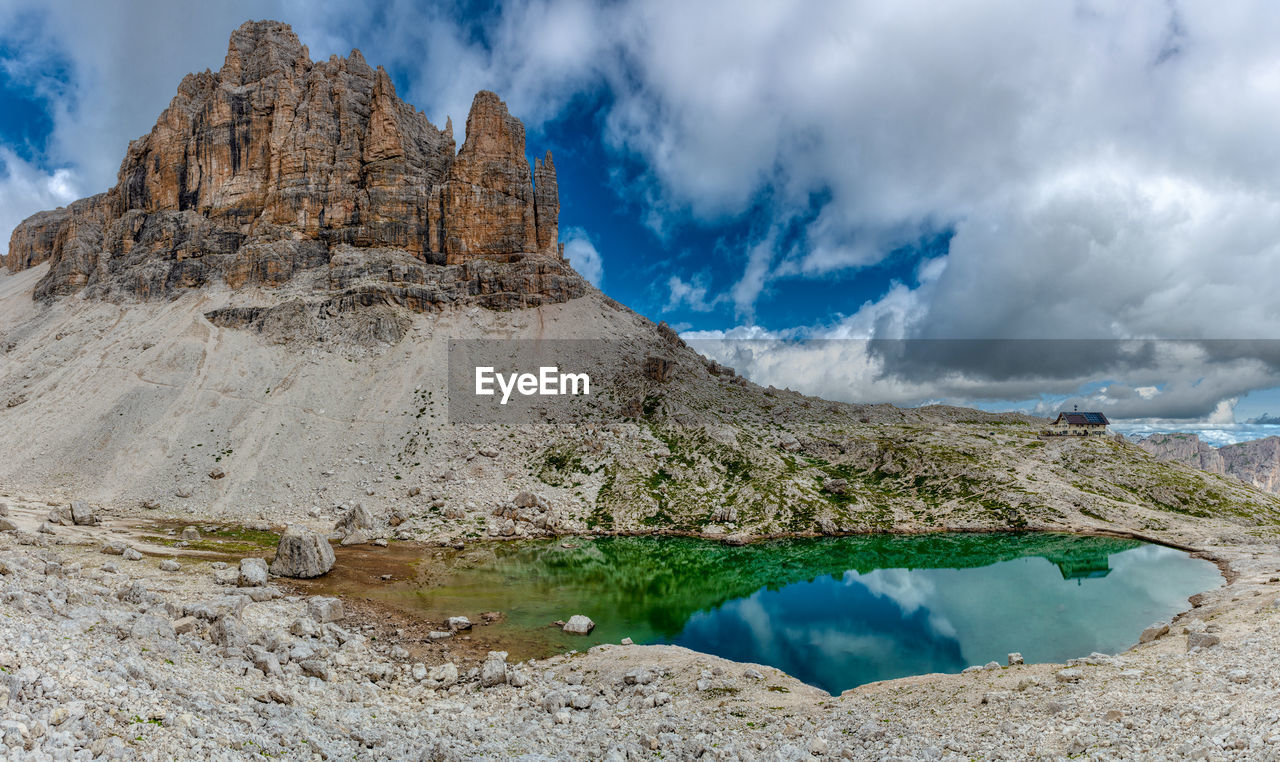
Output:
x=457 y=623
x=355 y=537
x=82 y=514
x=835 y=486
x=439 y=635
x=253 y=572
x=1015 y=659
x=325 y=609
x=130 y=554
x=494 y=670
x=1069 y=675
x=316 y=668
x=73 y=710
x=190 y=534
x=260 y=594
x=1238 y=676
x=170 y=565
x=1156 y=630
x=304 y=627
x=752 y=673
x=1202 y=640
x=280 y=697
x=185 y=624
x=6 y=525
x=265 y=661
x=627 y=641
x=217 y=473
x=579 y=625
x=358 y=519
x=150 y=628
x=226 y=630
x=444 y=675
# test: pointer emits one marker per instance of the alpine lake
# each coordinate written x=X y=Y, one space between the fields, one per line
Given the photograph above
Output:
x=834 y=612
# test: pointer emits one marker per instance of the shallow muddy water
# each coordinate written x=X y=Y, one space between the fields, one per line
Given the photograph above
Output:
x=834 y=612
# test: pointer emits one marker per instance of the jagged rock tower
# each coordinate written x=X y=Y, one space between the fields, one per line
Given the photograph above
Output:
x=276 y=166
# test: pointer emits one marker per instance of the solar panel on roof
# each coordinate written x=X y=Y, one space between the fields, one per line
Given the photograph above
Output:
x=1095 y=418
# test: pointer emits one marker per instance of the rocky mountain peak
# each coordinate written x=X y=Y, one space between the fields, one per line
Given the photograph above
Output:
x=259 y=49
x=277 y=168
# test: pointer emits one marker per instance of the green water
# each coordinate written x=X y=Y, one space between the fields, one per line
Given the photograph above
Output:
x=834 y=612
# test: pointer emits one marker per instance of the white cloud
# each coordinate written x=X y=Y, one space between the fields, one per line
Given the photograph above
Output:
x=690 y=294
x=25 y=190
x=582 y=255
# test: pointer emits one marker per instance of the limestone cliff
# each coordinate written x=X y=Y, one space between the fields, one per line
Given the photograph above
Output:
x=1186 y=449
x=260 y=171
x=1256 y=462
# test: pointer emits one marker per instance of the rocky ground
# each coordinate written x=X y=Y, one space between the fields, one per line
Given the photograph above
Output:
x=178 y=657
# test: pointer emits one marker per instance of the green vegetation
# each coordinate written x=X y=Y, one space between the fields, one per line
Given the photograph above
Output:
x=229 y=539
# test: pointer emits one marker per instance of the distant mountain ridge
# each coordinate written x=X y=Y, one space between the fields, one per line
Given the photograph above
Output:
x=1255 y=462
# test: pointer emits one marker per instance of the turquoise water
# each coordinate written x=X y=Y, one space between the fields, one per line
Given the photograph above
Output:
x=833 y=612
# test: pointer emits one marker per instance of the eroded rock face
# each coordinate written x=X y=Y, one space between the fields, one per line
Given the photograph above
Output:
x=489 y=207
x=261 y=171
x=1255 y=462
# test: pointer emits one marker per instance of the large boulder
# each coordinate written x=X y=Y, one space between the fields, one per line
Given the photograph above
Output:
x=82 y=514
x=302 y=554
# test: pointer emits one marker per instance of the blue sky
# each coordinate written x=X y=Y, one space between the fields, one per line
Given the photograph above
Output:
x=825 y=170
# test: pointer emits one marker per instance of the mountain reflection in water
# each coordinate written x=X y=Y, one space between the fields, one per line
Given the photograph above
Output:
x=834 y=612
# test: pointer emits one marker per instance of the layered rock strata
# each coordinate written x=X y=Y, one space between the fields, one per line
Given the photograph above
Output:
x=271 y=166
x=1255 y=462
